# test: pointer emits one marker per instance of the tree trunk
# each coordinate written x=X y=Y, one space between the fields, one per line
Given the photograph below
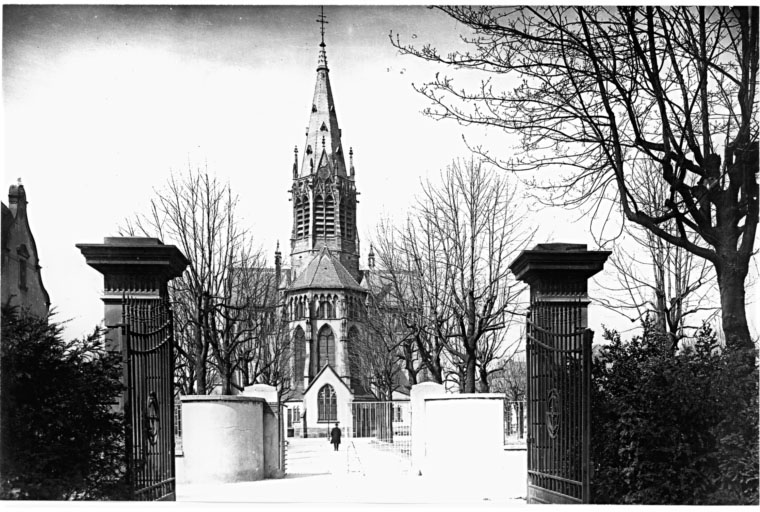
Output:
x=470 y=372
x=411 y=372
x=732 y=296
x=225 y=375
x=484 y=386
x=200 y=362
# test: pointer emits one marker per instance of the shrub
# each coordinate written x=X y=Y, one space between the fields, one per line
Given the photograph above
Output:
x=674 y=429
x=60 y=438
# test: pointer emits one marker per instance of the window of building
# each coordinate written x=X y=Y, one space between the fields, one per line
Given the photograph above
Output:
x=22 y=273
x=326 y=404
x=299 y=348
x=326 y=309
x=325 y=348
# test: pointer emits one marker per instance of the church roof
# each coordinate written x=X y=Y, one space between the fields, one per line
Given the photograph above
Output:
x=325 y=271
x=323 y=145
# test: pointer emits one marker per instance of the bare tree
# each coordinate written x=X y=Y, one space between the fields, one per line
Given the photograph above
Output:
x=595 y=90
x=211 y=300
x=406 y=262
x=474 y=215
x=511 y=379
x=496 y=350
x=378 y=360
x=266 y=359
x=658 y=280
x=455 y=249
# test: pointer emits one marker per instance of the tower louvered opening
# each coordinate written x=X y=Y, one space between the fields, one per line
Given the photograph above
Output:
x=319 y=215
x=302 y=217
x=343 y=216
x=330 y=216
x=350 y=219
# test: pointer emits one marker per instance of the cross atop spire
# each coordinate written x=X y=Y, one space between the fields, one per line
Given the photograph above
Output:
x=322 y=20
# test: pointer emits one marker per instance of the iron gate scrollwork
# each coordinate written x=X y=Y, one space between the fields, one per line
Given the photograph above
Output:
x=559 y=360
x=149 y=404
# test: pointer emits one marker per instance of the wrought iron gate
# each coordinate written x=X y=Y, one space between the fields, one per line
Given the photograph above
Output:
x=386 y=424
x=559 y=387
x=149 y=404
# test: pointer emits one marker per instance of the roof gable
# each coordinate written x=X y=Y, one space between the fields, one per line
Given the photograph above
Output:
x=318 y=378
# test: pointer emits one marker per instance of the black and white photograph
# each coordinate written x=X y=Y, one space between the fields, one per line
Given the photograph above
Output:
x=399 y=256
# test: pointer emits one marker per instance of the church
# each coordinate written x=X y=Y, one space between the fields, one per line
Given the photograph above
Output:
x=324 y=292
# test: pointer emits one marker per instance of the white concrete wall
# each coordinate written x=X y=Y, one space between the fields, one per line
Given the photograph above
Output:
x=456 y=435
x=463 y=436
x=417 y=398
x=223 y=438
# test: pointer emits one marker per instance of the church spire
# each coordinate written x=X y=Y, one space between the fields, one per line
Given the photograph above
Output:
x=323 y=121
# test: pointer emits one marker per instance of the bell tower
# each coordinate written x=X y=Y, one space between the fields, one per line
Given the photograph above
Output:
x=323 y=191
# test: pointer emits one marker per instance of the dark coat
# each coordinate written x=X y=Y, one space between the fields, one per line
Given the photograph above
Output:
x=335 y=435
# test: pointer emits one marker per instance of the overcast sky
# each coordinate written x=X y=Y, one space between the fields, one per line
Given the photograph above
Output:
x=102 y=103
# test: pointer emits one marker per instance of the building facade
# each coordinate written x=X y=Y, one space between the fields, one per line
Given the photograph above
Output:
x=21 y=271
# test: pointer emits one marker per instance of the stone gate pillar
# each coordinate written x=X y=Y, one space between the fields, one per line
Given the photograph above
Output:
x=558 y=361
x=558 y=275
x=134 y=266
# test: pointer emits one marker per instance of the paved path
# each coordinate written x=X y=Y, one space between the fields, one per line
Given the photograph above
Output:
x=361 y=473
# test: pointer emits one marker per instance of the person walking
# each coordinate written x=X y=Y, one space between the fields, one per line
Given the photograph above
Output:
x=335 y=436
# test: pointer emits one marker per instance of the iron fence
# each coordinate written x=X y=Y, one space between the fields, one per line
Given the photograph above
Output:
x=387 y=425
x=177 y=426
x=515 y=422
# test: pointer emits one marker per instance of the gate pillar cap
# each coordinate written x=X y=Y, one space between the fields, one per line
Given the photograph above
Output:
x=135 y=255
x=572 y=261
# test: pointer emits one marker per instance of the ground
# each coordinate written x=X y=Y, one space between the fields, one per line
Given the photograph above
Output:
x=363 y=472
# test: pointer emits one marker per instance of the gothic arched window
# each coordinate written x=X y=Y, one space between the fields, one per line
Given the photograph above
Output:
x=354 y=365
x=326 y=404
x=325 y=348
x=299 y=346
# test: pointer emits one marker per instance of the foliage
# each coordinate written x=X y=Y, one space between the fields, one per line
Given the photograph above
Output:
x=674 y=429
x=60 y=437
